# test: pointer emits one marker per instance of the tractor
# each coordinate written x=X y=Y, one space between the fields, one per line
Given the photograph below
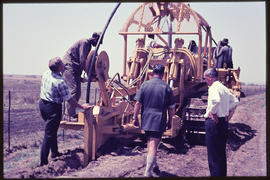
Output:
x=187 y=51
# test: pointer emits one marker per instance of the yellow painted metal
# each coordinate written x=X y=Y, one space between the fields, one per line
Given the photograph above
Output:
x=112 y=115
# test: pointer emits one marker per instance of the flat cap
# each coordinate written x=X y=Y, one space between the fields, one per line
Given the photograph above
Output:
x=96 y=35
x=54 y=64
x=225 y=41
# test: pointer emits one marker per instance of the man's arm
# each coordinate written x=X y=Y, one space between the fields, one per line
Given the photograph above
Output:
x=85 y=47
x=214 y=117
x=231 y=112
x=220 y=52
x=137 y=108
x=233 y=104
x=74 y=103
x=171 y=112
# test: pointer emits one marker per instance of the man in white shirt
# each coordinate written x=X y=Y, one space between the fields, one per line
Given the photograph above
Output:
x=221 y=103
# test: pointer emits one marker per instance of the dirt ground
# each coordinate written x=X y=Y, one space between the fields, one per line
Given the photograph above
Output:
x=246 y=151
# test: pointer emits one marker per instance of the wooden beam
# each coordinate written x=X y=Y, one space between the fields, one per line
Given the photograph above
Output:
x=125 y=57
x=88 y=135
x=72 y=125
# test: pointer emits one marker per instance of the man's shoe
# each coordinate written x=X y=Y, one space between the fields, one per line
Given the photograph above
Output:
x=147 y=174
x=43 y=163
x=54 y=155
x=156 y=170
x=73 y=119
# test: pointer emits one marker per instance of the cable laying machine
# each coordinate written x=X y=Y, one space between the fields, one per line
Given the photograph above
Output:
x=172 y=24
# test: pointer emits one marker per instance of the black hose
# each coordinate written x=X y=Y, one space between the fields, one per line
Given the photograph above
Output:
x=93 y=60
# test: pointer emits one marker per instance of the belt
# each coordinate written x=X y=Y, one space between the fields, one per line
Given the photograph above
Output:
x=49 y=102
x=223 y=118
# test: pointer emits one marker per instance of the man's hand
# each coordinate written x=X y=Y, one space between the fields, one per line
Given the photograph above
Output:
x=86 y=105
x=135 y=121
x=213 y=117
x=84 y=77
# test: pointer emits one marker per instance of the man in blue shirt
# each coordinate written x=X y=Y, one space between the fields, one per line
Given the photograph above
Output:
x=54 y=91
x=154 y=98
x=75 y=62
x=224 y=55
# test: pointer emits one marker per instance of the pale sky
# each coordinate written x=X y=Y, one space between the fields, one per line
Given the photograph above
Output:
x=35 y=33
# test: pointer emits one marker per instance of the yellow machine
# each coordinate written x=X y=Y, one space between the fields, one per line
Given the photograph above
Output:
x=187 y=52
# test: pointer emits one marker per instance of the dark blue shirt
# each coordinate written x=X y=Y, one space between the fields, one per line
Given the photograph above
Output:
x=155 y=96
x=225 y=53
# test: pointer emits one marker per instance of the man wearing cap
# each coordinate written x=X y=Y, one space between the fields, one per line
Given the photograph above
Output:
x=225 y=54
x=154 y=98
x=75 y=61
x=53 y=92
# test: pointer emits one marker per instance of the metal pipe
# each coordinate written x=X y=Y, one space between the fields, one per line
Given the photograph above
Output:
x=9 y=104
x=171 y=83
x=125 y=57
x=169 y=35
x=211 y=37
x=94 y=56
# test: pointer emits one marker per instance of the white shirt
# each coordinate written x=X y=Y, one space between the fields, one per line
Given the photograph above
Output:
x=220 y=100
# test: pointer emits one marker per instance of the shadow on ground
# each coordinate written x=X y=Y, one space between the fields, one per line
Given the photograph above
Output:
x=239 y=134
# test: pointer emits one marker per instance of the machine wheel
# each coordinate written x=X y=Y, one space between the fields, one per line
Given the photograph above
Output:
x=102 y=66
x=87 y=64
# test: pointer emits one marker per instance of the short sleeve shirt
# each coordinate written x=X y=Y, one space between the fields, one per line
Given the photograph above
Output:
x=54 y=88
x=155 y=96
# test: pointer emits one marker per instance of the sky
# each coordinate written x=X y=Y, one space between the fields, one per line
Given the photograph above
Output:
x=35 y=33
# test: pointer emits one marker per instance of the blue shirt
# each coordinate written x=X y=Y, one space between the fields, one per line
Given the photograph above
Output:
x=225 y=54
x=54 y=88
x=156 y=97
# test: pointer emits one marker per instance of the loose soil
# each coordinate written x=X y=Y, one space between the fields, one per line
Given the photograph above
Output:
x=246 y=150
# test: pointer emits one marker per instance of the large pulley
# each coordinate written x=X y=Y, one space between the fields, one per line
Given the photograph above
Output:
x=102 y=66
x=100 y=71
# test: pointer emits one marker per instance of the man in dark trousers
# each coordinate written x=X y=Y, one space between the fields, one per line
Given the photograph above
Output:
x=75 y=61
x=221 y=104
x=154 y=98
x=53 y=92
